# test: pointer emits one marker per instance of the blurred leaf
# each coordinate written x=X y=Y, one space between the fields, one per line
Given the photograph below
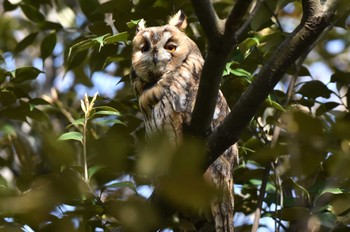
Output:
x=108 y=109
x=297 y=187
x=323 y=108
x=47 y=46
x=38 y=101
x=89 y=9
x=79 y=121
x=93 y=170
x=104 y=112
x=122 y=184
x=25 y=74
x=341 y=78
x=47 y=25
x=28 y=40
x=248 y=43
x=71 y=136
x=293 y=213
x=9 y=6
x=274 y=104
x=7 y=97
x=100 y=28
x=315 y=89
x=341 y=129
x=32 y=13
x=262 y=18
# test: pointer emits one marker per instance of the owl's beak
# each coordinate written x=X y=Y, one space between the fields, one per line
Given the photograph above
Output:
x=155 y=59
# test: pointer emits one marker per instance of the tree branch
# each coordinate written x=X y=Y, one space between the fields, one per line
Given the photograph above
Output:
x=235 y=20
x=220 y=44
x=243 y=29
x=209 y=20
x=314 y=21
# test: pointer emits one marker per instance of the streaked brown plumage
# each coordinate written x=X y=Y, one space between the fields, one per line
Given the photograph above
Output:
x=166 y=67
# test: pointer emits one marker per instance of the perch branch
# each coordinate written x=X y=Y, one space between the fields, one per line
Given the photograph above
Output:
x=314 y=21
x=220 y=46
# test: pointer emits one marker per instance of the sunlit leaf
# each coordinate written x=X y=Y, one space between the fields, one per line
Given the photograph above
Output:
x=93 y=170
x=107 y=108
x=73 y=135
x=122 y=184
x=133 y=23
x=104 y=112
x=120 y=37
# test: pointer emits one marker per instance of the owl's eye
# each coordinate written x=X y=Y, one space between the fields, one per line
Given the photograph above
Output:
x=170 y=47
x=145 y=47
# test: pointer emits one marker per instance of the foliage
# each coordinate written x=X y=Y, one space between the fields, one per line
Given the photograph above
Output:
x=83 y=166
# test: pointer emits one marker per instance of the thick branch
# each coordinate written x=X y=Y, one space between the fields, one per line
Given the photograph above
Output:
x=312 y=25
x=220 y=45
x=235 y=19
x=209 y=20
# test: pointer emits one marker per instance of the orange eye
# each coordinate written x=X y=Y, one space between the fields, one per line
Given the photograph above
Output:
x=170 y=47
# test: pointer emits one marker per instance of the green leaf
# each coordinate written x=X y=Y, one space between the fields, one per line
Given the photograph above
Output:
x=133 y=23
x=93 y=170
x=120 y=37
x=71 y=136
x=78 y=122
x=248 y=43
x=25 y=74
x=104 y=112
x=107 y=108
x=28 y=40
x=110 y=122
x=47 y=25
x=85 y=45
x=241 y=73
x=274 y=104
x=8 y=6
x=122 y=184
x=47 y=46
x=32 y=13
x=38 y=101
x=315 y=89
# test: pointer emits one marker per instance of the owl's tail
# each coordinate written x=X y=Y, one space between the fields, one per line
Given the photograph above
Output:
x=222 y=207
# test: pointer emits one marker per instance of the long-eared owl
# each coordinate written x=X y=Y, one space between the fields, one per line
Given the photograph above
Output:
x=165 y=73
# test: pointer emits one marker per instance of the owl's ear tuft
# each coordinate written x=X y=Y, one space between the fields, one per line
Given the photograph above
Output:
x=179 y=20
x=141 y=25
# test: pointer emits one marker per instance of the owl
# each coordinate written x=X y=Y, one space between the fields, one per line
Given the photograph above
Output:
x=165 y=73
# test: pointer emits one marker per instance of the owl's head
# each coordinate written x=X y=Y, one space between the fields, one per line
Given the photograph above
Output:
x=160 y=50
